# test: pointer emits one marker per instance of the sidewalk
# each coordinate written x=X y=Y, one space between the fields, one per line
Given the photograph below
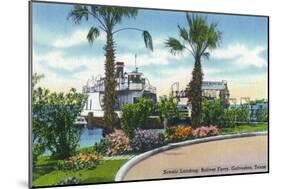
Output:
x=228 y=156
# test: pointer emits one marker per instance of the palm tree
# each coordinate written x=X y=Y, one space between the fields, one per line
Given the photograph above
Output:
x=197 y=39
x=106 y=18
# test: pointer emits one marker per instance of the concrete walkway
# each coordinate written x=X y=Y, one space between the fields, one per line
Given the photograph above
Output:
x=238 y=155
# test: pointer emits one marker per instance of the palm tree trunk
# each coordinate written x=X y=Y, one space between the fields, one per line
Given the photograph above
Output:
x=195 y=93
x=110 y=84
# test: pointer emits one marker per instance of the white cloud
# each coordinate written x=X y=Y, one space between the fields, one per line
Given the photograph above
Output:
x=242 y=55
x=46 y=64
x=158 y=56
x=76 y=38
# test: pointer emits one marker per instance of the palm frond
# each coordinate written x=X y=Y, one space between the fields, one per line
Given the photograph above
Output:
x=93 y=34
x=202 y=34
x=120 y=12
x=214 y=36
x=113 y=15
x=147 y=40
x=183 y=33
x=78 y=13
x=206 y=55
x=174 y=45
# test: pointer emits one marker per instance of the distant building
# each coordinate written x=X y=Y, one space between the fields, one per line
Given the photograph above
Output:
x=130 y=86
x=253 y=106
x=210 y=90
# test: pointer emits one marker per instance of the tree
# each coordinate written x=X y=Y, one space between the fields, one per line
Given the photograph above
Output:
x=38 y=125
x=53 y=115
x=197 y=39
x=224 y=97
x=107 y=18
x=167 y=107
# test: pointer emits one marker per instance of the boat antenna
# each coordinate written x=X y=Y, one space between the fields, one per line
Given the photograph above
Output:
x=136 y=63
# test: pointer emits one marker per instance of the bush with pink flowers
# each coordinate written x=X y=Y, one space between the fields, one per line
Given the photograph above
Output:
x=118 y=143
x=205 y=131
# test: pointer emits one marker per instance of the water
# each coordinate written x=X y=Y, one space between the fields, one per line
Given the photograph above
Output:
x=89 y=136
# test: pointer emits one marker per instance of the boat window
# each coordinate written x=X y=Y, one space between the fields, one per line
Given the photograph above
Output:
x=135 y=100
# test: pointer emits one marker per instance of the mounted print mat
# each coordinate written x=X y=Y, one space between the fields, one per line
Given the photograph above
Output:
x=123 y=94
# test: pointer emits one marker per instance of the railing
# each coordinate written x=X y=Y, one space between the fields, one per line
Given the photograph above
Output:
x=125 y=86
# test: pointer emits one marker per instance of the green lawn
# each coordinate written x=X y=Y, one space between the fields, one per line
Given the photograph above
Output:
x=45 y=174
x=245 y=128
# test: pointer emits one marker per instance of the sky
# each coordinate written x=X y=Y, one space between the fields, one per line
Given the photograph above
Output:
x=62 y=53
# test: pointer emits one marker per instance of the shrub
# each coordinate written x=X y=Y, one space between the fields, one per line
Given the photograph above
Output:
x=117 y=143
x=178 y=133
x=145 y=140
x=261 y=115
x=80 y=161
x=205 y=131
x=53 y=115
x=243 y=113
x=101 y=147
x=229 y=118
x=69 y=181
x=212 y=112
x=167 y=108
x=135 y=115
x=153 y=123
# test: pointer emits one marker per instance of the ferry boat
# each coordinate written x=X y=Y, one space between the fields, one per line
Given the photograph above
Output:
x=130 y=86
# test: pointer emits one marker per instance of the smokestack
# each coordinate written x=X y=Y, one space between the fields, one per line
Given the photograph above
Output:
x=119 y=69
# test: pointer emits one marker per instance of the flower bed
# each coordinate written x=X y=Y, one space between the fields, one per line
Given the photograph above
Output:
x=116 y=143
x=145 y=140
x=119 y=143
x=80 y=161
x=178 y=133
x=205 y=131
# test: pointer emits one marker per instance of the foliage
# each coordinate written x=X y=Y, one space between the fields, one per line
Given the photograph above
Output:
x=106 y=18
x=243 y=113
x=80 y=161
x=178 y=133
x=68 y=181
x=229 y=117
x=101 y=147
x=37 y=150
x=167 y=108
x=38 y=126
x=224 y=97
x=118 y=143
x=205 y=131
x=145 y=140
x=245 y=128
x=212 y=112
x=261 y=115
x=197 y=39
x=35 y=79
x=135 y=115
x=53 y=115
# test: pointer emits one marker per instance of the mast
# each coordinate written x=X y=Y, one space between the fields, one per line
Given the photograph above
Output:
x=136 y=63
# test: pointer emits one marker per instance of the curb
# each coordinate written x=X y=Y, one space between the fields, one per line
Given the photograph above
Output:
x=132 y=162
